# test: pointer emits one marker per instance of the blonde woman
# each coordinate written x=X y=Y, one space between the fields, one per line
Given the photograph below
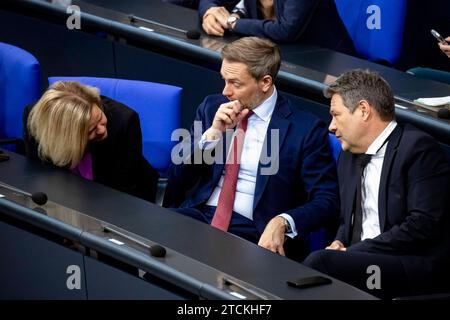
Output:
x=100 y=139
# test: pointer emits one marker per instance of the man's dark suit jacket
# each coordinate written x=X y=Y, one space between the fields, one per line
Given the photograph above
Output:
x=310 y=21
x=305 y=186
x=413 y=203
x=117 y=161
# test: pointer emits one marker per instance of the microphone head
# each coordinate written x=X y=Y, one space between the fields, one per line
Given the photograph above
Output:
x=39 y=198
x=157 y=251
x=444 y=113
x=192 y=34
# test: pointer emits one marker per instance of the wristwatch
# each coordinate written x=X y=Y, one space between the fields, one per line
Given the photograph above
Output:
x=287 y=226
x=230 y=21
x=239 y=11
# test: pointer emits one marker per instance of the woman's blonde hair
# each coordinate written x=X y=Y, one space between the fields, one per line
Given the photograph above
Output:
x=60 y=122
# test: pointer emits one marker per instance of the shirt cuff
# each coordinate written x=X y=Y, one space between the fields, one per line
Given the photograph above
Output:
x=294 y=233
x=205 y=144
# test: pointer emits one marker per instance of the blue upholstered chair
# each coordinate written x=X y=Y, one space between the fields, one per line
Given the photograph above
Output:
x=20 y=78
x=432 y=74
x=158 y=106
x=375 y=27
x=320 y=239
x=335 y=146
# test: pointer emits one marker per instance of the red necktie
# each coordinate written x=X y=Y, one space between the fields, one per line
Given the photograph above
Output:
x=224 y=210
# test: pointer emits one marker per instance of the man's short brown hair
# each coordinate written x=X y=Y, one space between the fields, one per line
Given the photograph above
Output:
x=261 y=56
x=356 y=85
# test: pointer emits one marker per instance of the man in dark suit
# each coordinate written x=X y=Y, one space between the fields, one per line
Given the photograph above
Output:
x=394 y=233
x=309 y=21
x=286 y=181
x=110 y=149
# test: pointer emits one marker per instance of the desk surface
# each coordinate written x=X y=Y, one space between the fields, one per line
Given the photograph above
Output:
x=179 y=234
x=318 y=63
x=304 y=68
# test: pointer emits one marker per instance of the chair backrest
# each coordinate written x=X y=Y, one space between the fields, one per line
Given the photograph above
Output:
x=158 y=106
x=321 y=238
x=375 y=27
x=335 y=146
x=20 y=79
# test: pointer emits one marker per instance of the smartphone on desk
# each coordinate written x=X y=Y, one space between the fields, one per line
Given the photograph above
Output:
x=309 y=282
x=438 y=37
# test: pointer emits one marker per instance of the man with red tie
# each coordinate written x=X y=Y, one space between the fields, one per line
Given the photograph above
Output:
x=262 y=168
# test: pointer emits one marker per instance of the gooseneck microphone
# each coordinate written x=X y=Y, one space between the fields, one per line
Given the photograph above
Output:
x=193 y=34
x=40 y=198
x=444 y=113
x=190 y=34
x=155 y=250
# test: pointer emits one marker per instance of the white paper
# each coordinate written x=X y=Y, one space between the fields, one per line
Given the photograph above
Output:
x=434 y=102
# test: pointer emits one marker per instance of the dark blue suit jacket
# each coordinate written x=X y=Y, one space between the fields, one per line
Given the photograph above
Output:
x=413 y=202
x=310 y=21
x=305 y=185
